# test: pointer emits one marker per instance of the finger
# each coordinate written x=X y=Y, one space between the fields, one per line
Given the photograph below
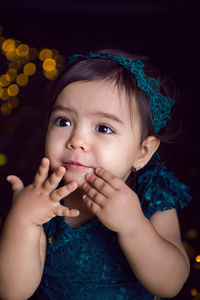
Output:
x=114 y=181
x=93 y=194
x=93 y=206
x=64 y=191
x=99 y=184
x=65 y=211
x=52 y=182
x=16 y=183
x=42 y=172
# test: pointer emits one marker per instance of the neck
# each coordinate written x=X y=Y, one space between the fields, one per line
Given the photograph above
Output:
x=74 y=200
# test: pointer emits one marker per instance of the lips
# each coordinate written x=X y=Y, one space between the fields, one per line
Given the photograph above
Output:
x=74 y=165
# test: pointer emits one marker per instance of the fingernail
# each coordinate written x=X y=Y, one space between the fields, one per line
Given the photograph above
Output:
x=73 y=185
x=84 y=196
x=85 y=185
x=88 y=175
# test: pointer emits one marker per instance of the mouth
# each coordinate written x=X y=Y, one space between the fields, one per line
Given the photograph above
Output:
x=74 y=165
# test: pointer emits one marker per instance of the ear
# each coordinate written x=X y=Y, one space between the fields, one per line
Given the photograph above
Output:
x=146 y=151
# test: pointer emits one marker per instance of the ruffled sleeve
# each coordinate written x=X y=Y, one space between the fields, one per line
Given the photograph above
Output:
x=160 y=190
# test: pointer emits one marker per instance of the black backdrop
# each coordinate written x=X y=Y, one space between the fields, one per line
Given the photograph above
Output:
x=168 y=31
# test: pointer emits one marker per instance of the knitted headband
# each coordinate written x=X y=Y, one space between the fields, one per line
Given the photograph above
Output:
x=159 y=104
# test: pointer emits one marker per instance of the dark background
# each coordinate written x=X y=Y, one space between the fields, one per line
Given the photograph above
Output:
x=167 y=31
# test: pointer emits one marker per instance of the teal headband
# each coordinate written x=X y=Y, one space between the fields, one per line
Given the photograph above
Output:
x=159 y=104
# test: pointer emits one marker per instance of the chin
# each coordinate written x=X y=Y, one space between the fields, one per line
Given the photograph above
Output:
x=78 y=177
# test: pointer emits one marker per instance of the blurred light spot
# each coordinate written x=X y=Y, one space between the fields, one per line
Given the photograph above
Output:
x=5 y=80
x=11 y=53
x=12 y=73
x=197 y=258
x=193 y=292
x=5 y=109
x=13 y=90
x=191 y=233
x=1 y=91
x=5 y=95
x=13 y=101
x=3 y=159
x=1 y=30
x=29 y=69
x=15 y=64
x=22 y=50
x=7 y=44
x=52 y=75
x=33 y=53
x=24 y=60
x=49 y=64
x=60 y=60
x=22 y=79
x=45 y=53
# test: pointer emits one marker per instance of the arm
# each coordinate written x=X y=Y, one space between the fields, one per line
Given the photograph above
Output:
x=152 y=247
x=156 y=255
x=23 y=242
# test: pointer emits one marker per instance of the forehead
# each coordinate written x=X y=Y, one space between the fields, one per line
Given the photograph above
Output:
x=97 y=95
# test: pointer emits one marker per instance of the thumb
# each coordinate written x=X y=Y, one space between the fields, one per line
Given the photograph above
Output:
x=16 y=183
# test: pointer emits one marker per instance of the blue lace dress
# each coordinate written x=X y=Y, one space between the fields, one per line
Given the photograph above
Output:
x=87 y=263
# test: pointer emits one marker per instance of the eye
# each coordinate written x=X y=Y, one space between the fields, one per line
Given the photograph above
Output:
x=104 y=129
x=62 y=122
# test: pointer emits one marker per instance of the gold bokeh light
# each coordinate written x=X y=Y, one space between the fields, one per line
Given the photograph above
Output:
x=13 y=101
x=49 y=64
x=22 y=50
x=6 y=109
x=5 y=80
x=12 y=73
x=8 y=44
x=29 y=69
x=51 y=75
x=45 y=53
x=22 y=79
x=5 y=95
x=13 y=90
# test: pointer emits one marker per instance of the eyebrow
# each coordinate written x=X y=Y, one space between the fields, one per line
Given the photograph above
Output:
x=97 y=113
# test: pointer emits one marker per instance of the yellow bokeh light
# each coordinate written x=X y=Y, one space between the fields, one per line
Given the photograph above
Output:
x=7 y=44
x=12 y=73
x=13 y=101
x=33 y=53
x=13 y=90
x=5 y=109
x=1 y=91
x=29 y=69
x=60 y=60
x=22 y=79
x=49 y=64
x=11 y=53
x=3 y=159
x=194 y=292
x=197 y=258
x=5 y=80
x=45 y=53
x=51 y=74
x=5 y=95
x=15 y=64
x=22 y=50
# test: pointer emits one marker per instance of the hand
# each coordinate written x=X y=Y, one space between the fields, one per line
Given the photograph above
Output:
x=40 y=201
x=112 y=201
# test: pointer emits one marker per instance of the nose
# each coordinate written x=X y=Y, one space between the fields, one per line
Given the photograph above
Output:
x=78 y=142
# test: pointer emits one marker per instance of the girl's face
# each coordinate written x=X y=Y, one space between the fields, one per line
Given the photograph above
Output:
x=90 y=127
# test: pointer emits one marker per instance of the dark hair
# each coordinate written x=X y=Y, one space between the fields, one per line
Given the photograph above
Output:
x=102 y=69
